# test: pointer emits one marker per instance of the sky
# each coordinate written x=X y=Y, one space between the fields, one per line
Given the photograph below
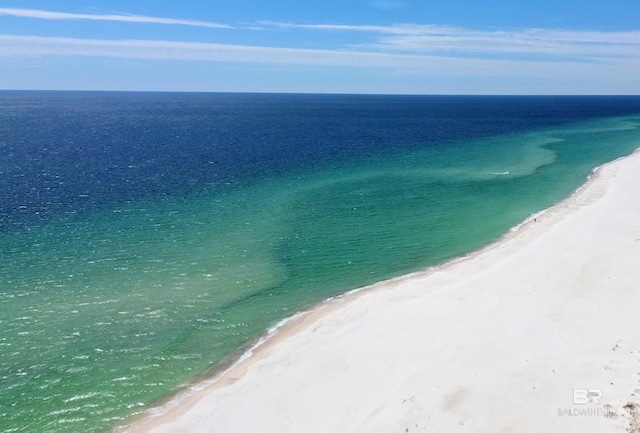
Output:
x=330 y=46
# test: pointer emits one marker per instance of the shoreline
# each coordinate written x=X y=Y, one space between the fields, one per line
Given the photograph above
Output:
x=188 y=399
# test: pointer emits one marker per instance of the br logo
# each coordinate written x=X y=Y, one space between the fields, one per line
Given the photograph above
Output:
x=586 y=396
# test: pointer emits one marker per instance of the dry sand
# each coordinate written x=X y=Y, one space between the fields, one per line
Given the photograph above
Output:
x=507 y=340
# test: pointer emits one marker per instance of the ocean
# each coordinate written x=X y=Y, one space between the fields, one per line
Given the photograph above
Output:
x=147 y=237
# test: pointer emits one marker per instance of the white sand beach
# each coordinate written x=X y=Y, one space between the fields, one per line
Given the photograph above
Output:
x=539 y=332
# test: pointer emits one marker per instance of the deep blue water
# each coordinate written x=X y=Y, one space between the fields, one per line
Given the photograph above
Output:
x=65 y=152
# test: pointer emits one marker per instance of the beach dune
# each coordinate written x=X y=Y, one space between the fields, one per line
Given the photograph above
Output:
x=538 y=332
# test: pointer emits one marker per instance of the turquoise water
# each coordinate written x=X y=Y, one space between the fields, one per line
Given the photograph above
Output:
x=106 y=311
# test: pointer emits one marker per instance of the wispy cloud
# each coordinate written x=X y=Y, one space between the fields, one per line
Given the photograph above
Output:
x=441 y=39
x=49 y=15
x=393 y=29
x=529 y=41
x=36 y=47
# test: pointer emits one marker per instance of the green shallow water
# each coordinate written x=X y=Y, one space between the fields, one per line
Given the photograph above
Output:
x=104 y=313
